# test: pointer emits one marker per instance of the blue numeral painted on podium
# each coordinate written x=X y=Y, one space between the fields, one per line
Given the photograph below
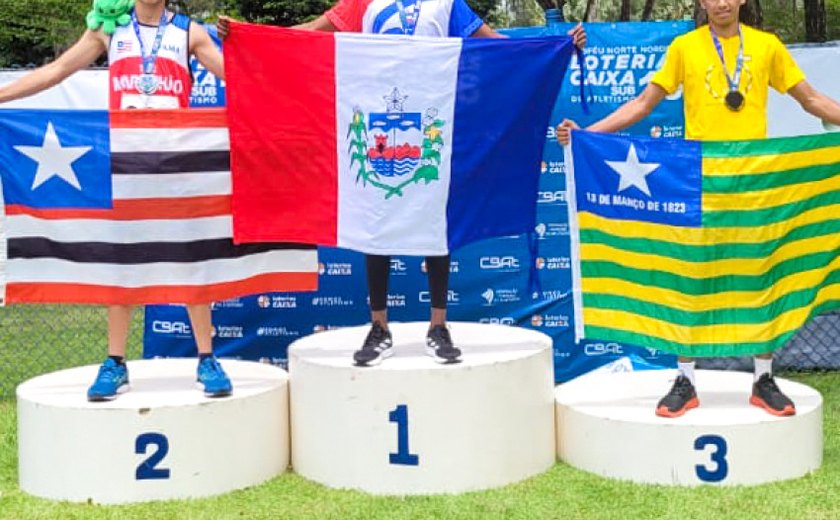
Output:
x=721 y=468
x=399 y=415
x=147 y=470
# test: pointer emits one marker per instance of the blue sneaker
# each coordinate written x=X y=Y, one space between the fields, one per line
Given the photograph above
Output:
x=211 y=375
x=111 y=380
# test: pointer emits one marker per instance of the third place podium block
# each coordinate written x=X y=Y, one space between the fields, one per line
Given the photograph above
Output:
x=413 y=426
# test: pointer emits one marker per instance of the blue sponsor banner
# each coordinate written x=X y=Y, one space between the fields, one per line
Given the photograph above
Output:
x=490 y=281
x=208 y=90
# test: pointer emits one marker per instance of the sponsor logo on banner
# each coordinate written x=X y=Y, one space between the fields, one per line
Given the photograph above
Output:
x=454 y=266
x=396 y=300
x=265 y=301
x=546 y=230
x=600 y=349
x=331 y=301
x=550 y=295
x=227 y=331
x=495 y=296
x=552 y=197
x=504 y=264
x=554 y=262
x=550 y=321
x=277 y=332
x=452 y=297
x=657 y=131
x=398 y=267
x=233 y=303
x=176 y=328
x=504 y=320
x=206 y=89
x=335 y=268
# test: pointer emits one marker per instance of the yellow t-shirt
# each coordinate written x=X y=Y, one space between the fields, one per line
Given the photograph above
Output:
x=693 y=62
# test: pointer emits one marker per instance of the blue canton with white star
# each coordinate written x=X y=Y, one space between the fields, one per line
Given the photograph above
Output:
x=638 y=178
x=56 y=159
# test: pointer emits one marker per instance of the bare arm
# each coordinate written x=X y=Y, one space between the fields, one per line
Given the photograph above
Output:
x=815 y=102
x=624 y=116
x=84 y=52
x=322 y=23
x=485 y=31
x=205 y=51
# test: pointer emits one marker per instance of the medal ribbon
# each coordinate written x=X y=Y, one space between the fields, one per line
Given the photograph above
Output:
x=735 y=80
x=408 y=28
x=149 y=60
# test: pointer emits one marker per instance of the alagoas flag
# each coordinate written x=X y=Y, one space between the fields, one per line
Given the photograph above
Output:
x=387 y=144
x=129 y=207
x=703 y=249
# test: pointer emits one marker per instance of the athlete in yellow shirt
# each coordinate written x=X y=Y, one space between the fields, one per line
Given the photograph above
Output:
x=725 y=69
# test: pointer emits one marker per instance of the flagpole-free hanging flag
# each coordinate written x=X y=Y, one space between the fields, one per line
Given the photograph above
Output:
x=129 y=207
x=703 y=249
x=387 y=144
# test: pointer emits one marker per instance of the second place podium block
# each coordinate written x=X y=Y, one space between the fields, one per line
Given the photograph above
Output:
x=413 y=426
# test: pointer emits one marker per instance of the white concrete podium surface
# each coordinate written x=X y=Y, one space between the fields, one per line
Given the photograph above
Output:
x=606 y=425
x=412 y=426
x=160 y=440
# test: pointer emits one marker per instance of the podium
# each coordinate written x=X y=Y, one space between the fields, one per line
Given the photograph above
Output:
x=606 y=425
x=161 y=440
x=412 y=426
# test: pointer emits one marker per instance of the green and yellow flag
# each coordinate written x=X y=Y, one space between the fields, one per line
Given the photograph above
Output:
x=703 y=249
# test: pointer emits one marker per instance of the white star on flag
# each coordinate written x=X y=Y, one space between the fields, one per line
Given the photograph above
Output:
x=632 y=172
x=53 y=159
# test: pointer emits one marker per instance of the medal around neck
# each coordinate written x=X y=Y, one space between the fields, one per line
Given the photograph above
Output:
x=147 y=84
x=734 y=100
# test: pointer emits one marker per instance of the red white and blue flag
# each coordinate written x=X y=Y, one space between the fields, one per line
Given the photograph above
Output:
x=129 y=207
x=387 y=144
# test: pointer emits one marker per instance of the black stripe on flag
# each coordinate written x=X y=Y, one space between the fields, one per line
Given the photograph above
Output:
x=169 y=162
x=140 y=253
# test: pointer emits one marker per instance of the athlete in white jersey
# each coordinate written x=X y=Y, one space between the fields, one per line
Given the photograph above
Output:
x=437 y=18
x=148 y=69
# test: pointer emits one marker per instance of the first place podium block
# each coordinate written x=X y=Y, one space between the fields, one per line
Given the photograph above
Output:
x=161 y=440
x=412 y=426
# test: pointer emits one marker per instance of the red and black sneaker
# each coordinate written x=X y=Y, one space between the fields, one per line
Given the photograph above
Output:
x=679 y=400
x=766 y=394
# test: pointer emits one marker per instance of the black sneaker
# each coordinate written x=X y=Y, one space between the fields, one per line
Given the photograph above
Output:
x=679 y=400
x=766 y=394
x=377 y=346
x=439 y=346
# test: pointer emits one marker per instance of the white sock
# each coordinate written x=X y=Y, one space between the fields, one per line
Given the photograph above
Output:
x=687 y=370
x=762 y=366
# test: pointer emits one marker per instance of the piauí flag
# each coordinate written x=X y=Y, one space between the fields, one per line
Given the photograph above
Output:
x=129 y=207
x=703 y=249
x=387 y=144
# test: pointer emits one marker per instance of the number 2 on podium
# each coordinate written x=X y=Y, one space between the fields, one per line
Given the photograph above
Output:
x=403 y=456
x=148 y=470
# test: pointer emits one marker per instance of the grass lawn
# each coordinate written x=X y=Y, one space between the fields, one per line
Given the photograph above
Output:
x=562 y=492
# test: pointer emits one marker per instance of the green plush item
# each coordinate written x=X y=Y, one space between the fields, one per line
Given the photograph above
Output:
x=109 y=14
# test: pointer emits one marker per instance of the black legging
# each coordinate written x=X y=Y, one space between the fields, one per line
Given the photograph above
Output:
x=378 y=268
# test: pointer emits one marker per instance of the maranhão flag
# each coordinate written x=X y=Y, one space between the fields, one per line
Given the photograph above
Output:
x=129 y=207
x=387 y=144
x=703 y=248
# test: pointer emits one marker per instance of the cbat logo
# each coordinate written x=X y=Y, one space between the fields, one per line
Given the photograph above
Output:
x=171 y=327
x=552 y=197
x=384 y=163
x=398 y=266
x=498 y=262
x=600 y=349
x=451 y=297
x=506 y=320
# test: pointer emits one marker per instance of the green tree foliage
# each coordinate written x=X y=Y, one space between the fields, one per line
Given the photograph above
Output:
x=34 y=31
